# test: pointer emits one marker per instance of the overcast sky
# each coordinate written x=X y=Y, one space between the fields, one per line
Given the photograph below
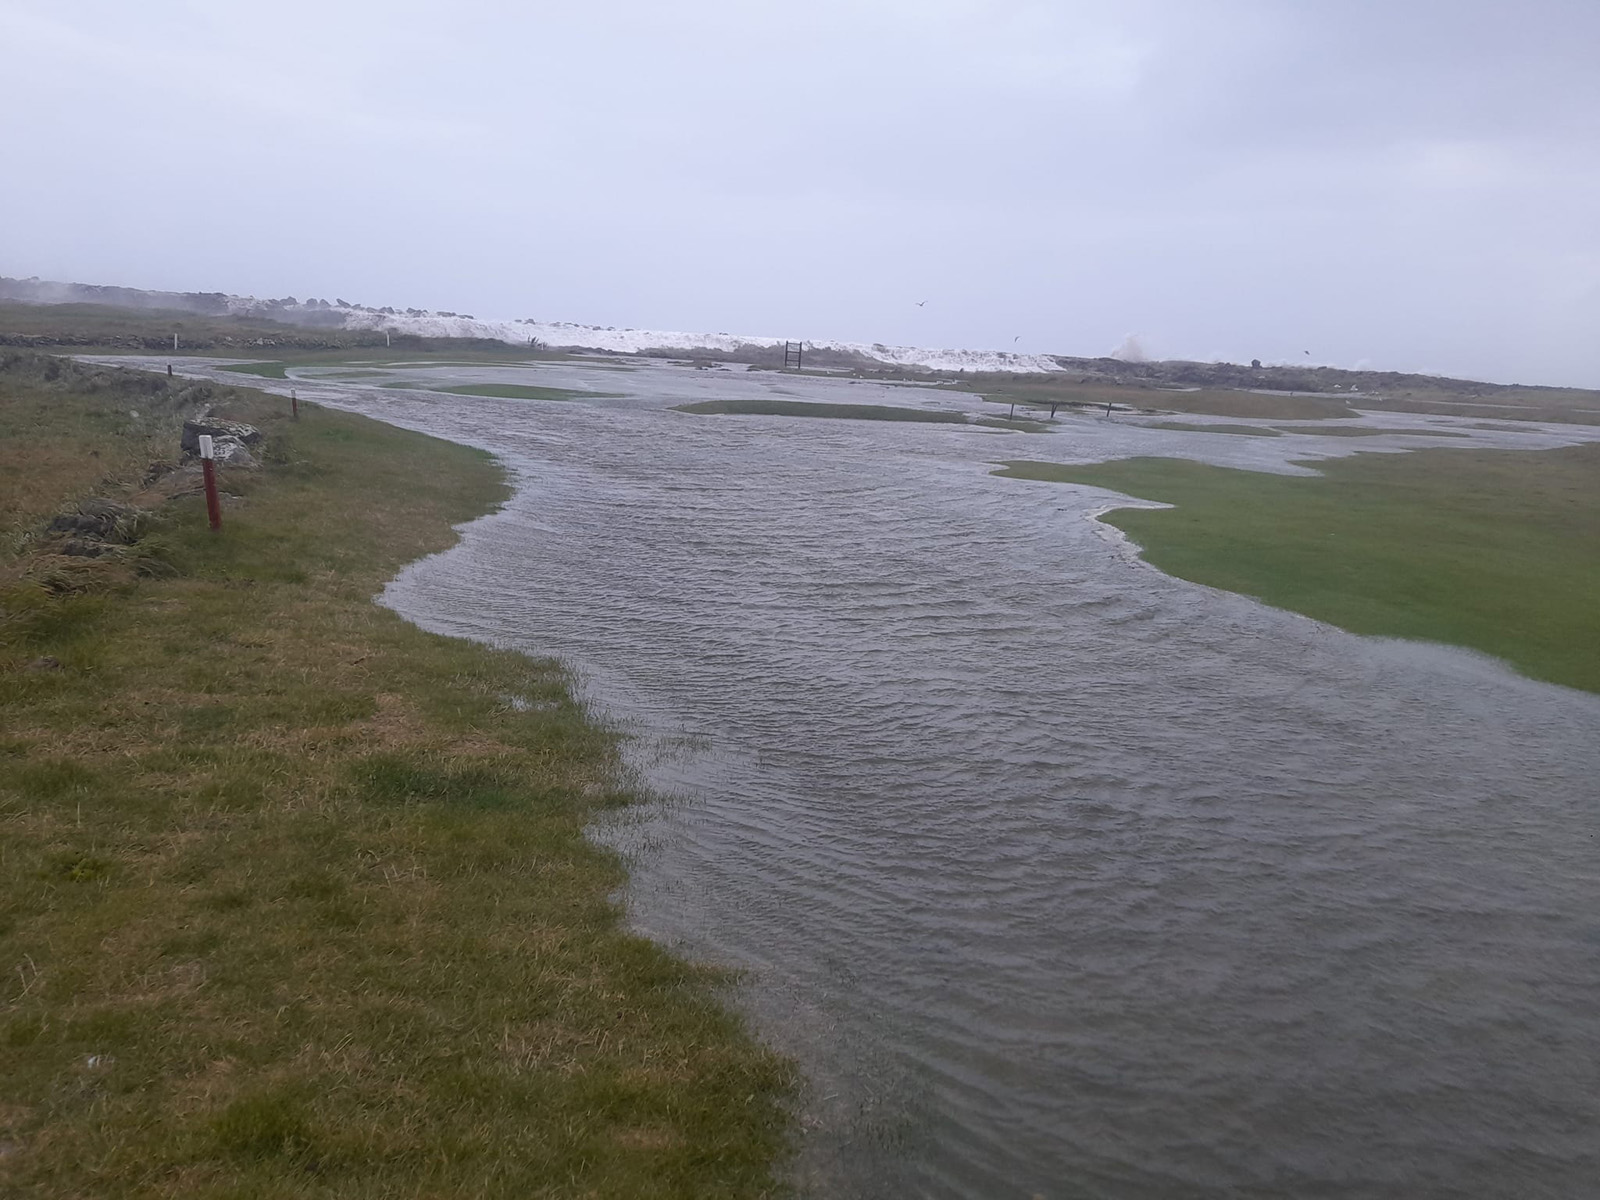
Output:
x=1406 y=184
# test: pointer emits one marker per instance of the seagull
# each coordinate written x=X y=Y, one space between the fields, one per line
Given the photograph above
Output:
x=920 y=303
x=1016 y=339
x=1308 y=352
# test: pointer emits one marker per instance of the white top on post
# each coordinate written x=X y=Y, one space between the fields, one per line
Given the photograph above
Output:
x=206 y=449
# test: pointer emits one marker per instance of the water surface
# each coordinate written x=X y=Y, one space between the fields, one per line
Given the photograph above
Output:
x=1060 y=877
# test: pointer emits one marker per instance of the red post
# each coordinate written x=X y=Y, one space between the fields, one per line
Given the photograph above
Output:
x=208 y=468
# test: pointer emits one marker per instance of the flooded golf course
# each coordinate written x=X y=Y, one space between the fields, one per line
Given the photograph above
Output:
x=1058 y=876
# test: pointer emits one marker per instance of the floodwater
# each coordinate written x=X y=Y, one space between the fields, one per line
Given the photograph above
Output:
x=1058 y=876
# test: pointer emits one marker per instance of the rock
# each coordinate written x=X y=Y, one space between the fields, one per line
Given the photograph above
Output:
x=232 y=452
x=181 y=481
x=245 y=435
x=45 y=663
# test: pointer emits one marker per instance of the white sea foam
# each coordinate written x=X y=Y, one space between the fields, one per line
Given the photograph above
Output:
x=567 y=334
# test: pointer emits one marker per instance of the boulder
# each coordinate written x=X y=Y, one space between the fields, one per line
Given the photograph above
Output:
x=232 y=451
x=186 y=480
x=240 y=433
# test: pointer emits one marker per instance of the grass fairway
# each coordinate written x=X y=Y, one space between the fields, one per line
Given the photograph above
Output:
x=1497 y=550
x=843 y=412
x=296 y=899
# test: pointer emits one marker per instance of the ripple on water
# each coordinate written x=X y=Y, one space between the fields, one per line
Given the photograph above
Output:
x=1059 y=876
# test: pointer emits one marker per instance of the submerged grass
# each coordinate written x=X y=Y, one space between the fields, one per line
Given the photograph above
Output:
x=1370 y=431
x=266 y=370
x=1014 y=424
x=516 y=391
x=1047 y=391
x=1497 y=550
x=296 y=899
x=804 y=408
x=1237 y=430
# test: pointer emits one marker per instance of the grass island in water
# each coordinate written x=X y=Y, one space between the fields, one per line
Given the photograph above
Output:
x=1498 y=550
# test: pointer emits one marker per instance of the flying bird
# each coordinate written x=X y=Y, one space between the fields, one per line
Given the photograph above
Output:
x=1016 y=339
x=920 y=303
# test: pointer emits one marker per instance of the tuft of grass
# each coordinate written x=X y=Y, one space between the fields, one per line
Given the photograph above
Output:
x=295 y=903
x=52 y=778
x=263 y=1126
x=1498 y=550
x=77 y=867
x=393 y=779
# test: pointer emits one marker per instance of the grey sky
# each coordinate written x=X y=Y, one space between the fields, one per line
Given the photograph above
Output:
x=1410 y=185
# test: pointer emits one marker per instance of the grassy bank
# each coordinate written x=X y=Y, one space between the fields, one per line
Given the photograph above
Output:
x=115 y=424
x=1496 y=550
x=296 y=899
x=373 y=363
x=98 y=328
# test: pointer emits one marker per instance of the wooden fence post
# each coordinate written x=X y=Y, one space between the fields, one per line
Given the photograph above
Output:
x=208 y=467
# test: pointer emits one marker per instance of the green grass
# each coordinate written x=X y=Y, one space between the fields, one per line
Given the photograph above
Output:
x=92 y=328
x=1423 y=395
x=1497 y=550
x=296 y=898
x=103 y=439
x=267 y=370
x=89 y=327
x=844 y=412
